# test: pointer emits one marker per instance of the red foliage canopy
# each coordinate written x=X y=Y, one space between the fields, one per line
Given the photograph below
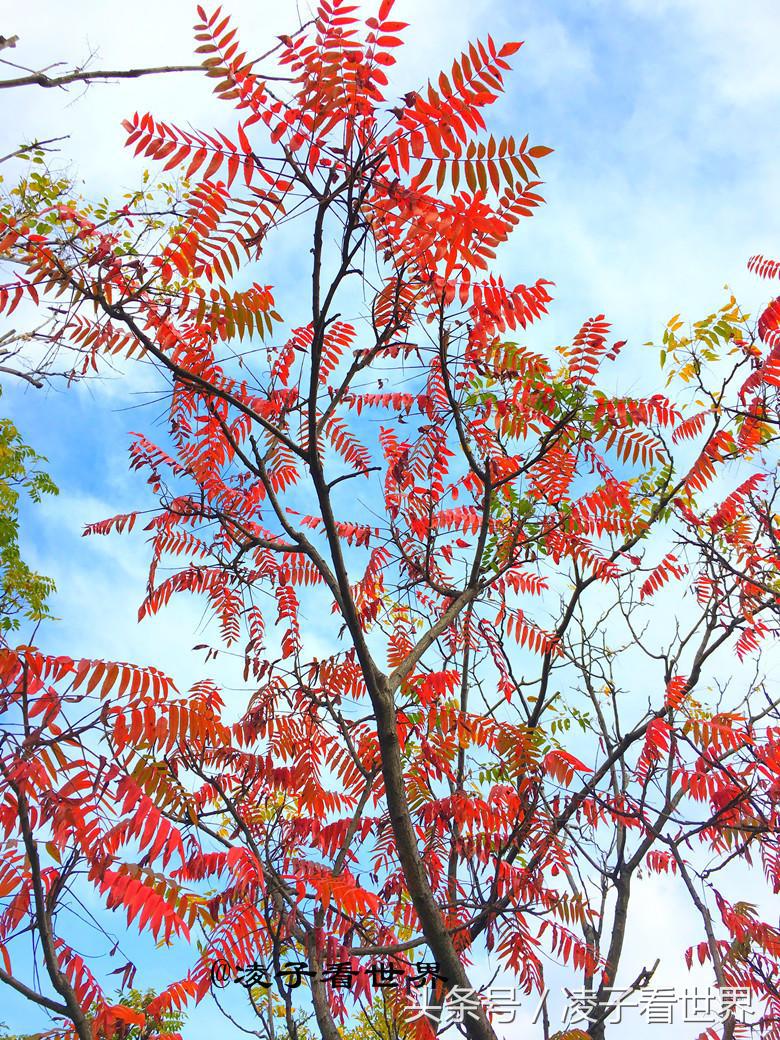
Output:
x=506 y=581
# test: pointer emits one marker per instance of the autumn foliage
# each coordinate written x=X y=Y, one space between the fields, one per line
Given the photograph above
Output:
x=534 y=589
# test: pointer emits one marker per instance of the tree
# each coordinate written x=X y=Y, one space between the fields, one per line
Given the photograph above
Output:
x=23 y=593
x=530 y=692
x=39 y=193
x=167 y=1024
x=80 y=75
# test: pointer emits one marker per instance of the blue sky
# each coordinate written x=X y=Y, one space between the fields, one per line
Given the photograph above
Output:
x=663 y=115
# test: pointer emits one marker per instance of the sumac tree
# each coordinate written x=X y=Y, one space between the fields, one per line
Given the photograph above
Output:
x=544 y=595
